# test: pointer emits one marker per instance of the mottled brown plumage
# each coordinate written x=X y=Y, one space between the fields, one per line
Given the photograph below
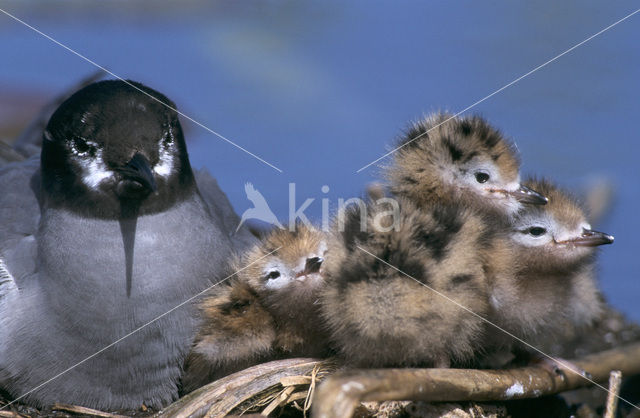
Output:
x=236 y=332
x=462 y=161
x=268 y=310
x=552 y=248
x=458 y=186
x=379 y=316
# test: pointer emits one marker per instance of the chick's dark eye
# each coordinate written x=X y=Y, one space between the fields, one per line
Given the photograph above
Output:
x=481 y=177
x=273 y=274
x=536 y=231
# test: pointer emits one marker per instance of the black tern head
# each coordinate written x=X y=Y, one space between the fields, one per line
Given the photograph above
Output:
x=114 y=142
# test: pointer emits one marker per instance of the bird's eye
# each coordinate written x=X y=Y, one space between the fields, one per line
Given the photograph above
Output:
x=536 y=231
x=82 y=147
x=167 y=137
x=274 y=274
x=481 y=177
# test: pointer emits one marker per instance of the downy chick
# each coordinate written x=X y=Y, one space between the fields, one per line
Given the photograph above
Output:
x=378 y=316
x=553 y=286
x=463 y=161
x=269 y=310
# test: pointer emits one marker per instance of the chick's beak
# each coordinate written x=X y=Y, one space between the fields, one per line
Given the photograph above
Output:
x=138 y=169
x=528 y=196
x=591 y=238
x=313 y=265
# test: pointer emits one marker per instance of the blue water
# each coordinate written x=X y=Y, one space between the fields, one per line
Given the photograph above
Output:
x=321 y=89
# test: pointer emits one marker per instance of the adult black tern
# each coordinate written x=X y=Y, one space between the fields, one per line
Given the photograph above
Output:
x=108 y=232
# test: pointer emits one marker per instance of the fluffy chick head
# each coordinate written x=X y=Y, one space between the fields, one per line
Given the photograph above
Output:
x=551 y=283
x=461 y=159
x=290 y=262
x=556 y=237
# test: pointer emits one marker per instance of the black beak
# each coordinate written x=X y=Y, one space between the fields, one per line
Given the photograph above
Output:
x=138 y=169
x=526 y=195
x=590 y=238
x=313 y=265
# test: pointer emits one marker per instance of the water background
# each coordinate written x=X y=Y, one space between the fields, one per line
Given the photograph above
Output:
x=320 y=89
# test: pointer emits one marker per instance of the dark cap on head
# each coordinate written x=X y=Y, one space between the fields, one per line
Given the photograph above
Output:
x=112 y=141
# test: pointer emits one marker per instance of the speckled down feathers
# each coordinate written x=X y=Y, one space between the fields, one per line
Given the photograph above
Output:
x=552 y=287
x=530 y=291
x=378 y=316
x=236 y=332
x=423 y=168
x=245 y=321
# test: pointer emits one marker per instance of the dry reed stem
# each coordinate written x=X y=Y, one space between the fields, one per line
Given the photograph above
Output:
x=81 y=410
x=615 y=381
x=339 y=395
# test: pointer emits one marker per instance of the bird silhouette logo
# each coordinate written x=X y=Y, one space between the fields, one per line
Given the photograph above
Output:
x=260 y=209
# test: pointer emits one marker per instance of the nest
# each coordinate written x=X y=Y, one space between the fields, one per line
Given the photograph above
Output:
x=324 y=388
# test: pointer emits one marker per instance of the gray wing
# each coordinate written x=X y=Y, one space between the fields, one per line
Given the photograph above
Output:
x=19 y=217
x=221 y=208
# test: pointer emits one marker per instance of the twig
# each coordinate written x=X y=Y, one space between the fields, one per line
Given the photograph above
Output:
x=222 y=396
x=297 y=396
x=339 y=395
x=281 y=399
x=312 y=390
x=81 y=410
x=295 y=380
x=615 y=380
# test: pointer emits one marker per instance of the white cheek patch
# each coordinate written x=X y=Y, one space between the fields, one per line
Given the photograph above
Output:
x=94 y=170
x=165 y=165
